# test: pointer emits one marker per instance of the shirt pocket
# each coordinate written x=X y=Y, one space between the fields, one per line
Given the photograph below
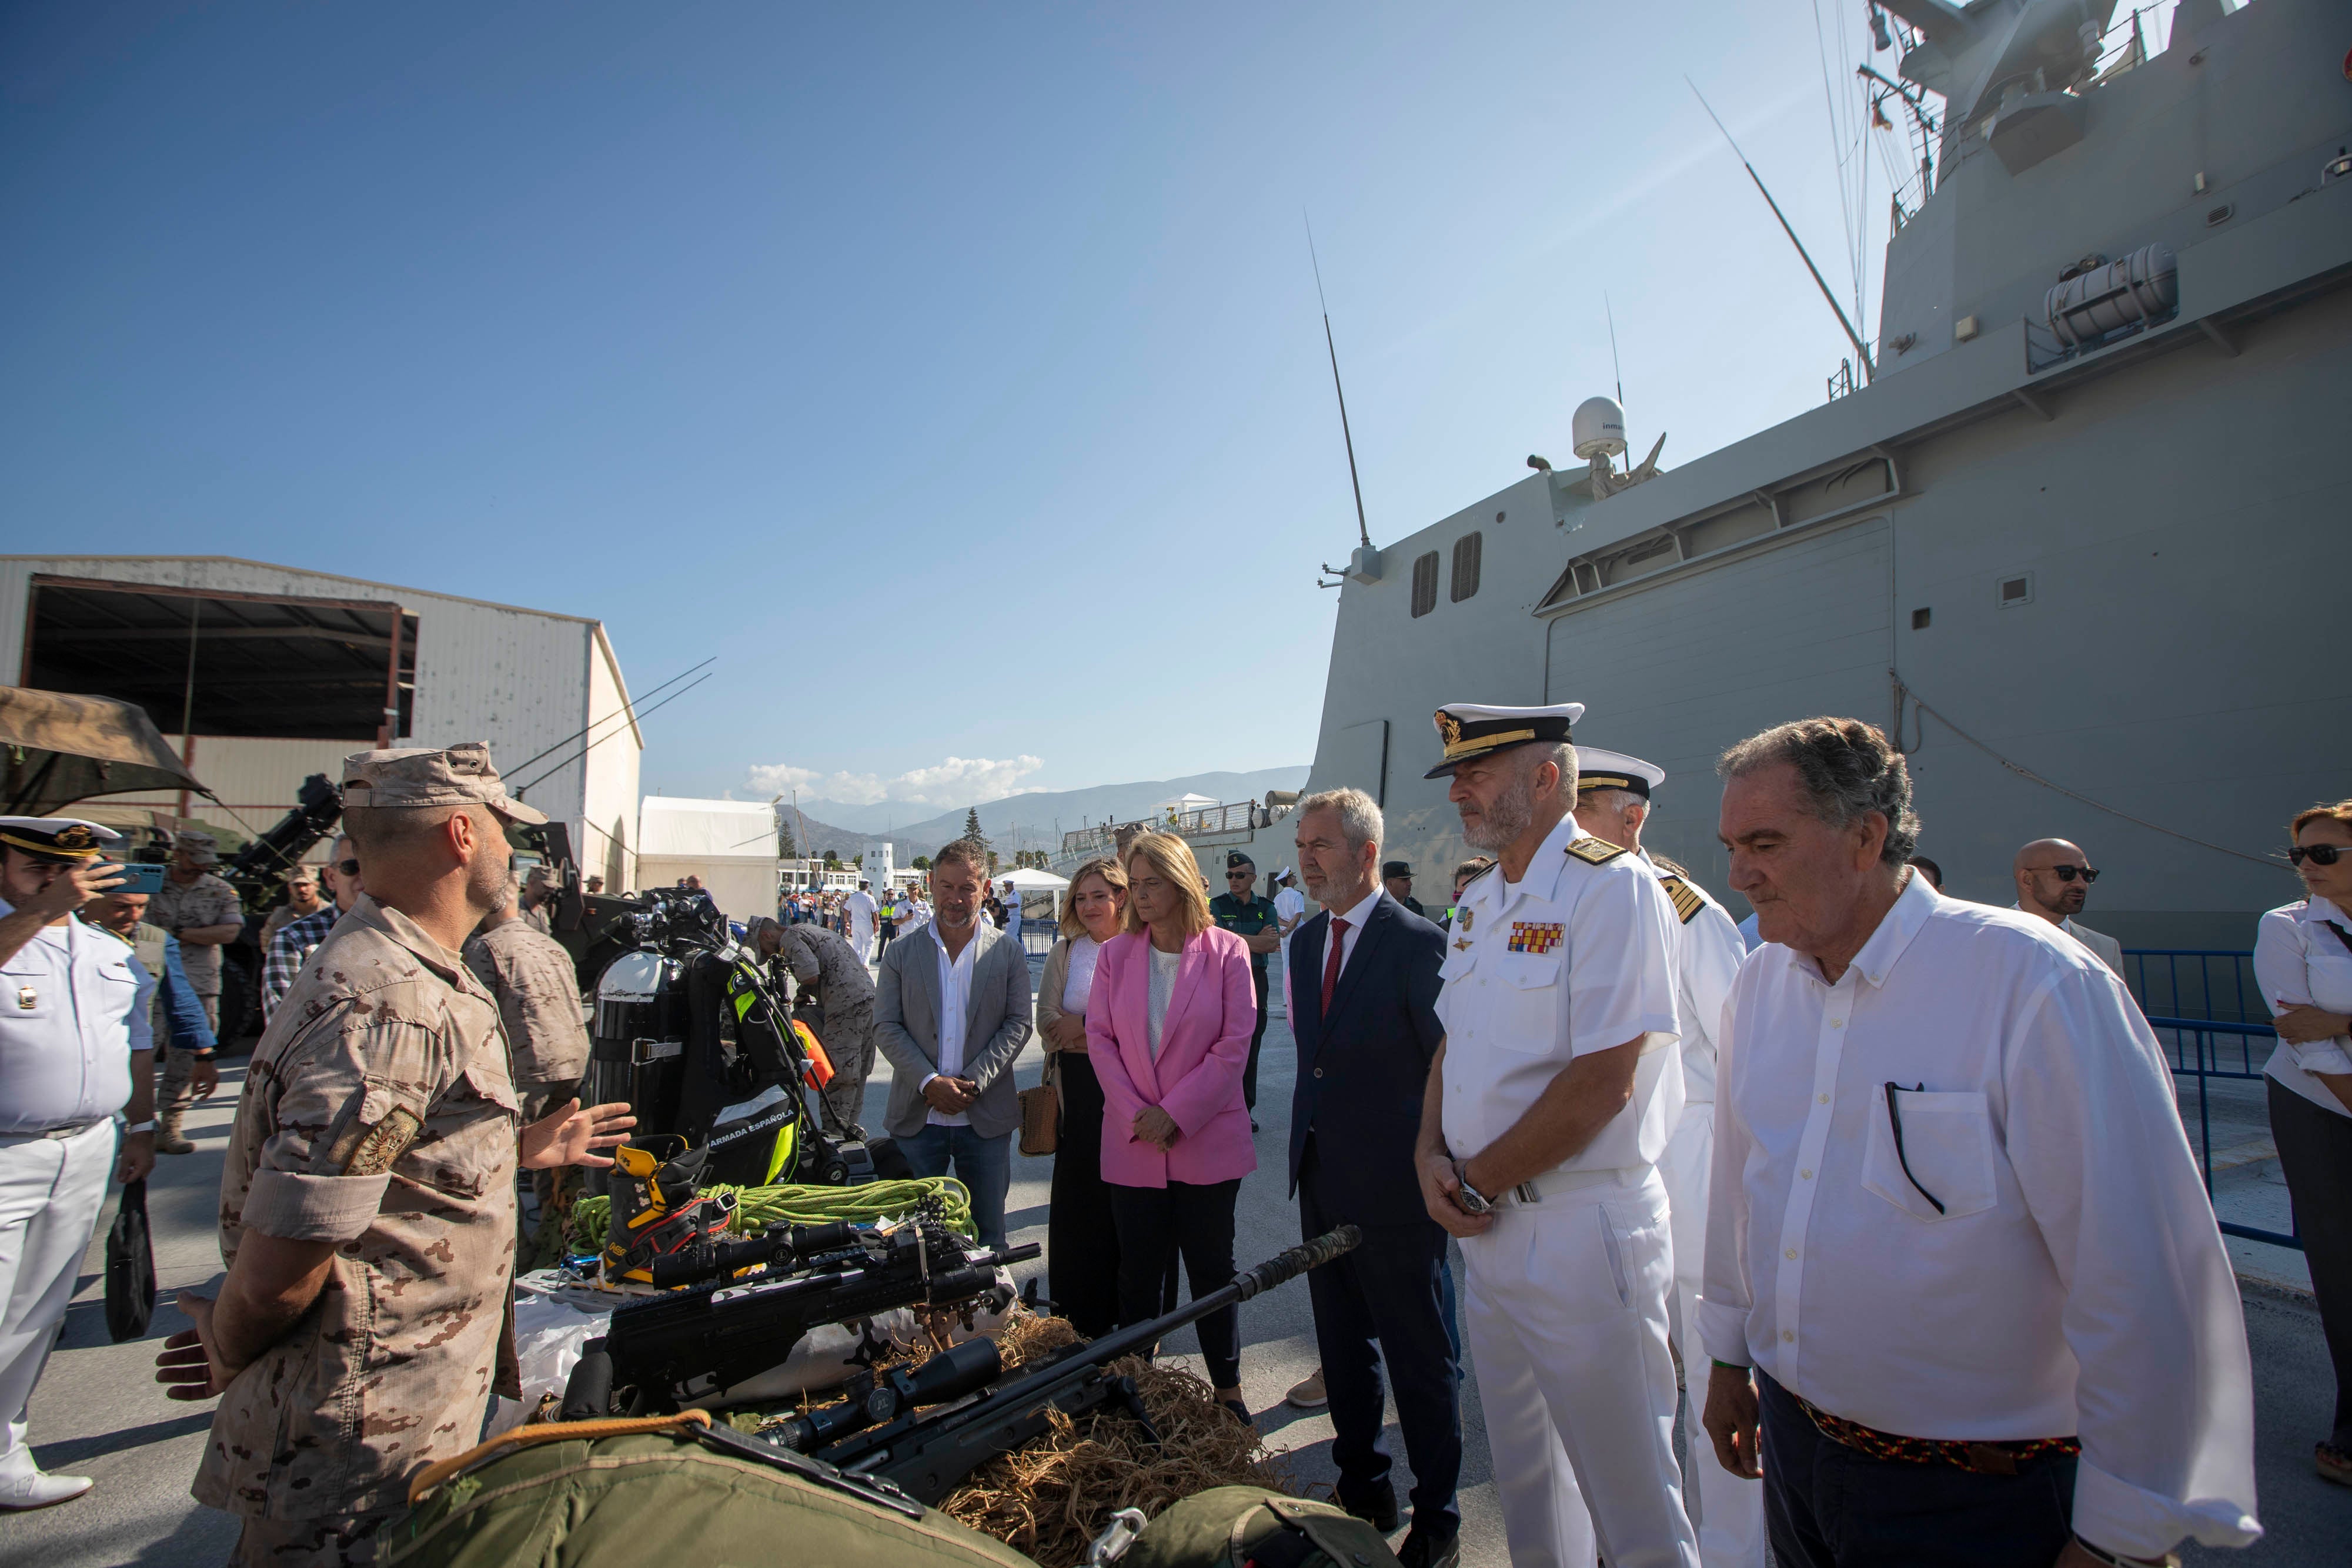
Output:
x=1527 y=1007
x=29 y=991
x=1946 y=1150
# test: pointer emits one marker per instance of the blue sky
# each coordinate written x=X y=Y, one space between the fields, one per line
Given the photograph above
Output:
x=953 y=375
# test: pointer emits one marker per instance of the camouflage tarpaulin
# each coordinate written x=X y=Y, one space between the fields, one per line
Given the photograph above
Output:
x=56 y=748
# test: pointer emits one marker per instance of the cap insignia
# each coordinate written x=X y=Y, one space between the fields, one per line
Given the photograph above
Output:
x=77 y=837
x=1449 y=729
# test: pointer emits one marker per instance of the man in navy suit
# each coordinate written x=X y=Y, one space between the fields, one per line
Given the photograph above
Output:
x=1364 y=1012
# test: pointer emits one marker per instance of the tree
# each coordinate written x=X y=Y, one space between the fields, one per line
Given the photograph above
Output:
x=922 y=862
x=785 y=848
x=858 y=860
x=833 y=857
x=992 y=862
x=972 y=827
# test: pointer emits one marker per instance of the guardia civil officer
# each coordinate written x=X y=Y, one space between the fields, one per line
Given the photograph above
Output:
x=1547 y=1107
x=65 y=1069
x=1612 y=803
x=1257 y=923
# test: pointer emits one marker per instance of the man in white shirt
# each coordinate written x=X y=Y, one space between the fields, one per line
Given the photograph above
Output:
x=1289 y=909
x=1956 y=1229
x=1012 y=911
x=1612 y=804
x=2053 y=881
x=1549 y=1103
x=860 y=908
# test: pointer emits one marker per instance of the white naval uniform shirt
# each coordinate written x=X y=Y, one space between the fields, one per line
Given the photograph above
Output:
x=2300 y=963
x=66 y=1001
x=1708 y=951
x=1575 y=958
x=2076 y=1283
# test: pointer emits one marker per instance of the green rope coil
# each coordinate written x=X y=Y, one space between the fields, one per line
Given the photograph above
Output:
x=760 y=1207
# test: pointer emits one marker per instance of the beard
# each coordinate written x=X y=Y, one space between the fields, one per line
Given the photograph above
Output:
x=1511 y=813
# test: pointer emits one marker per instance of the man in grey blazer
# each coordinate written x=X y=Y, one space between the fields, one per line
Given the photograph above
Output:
x=952 y=1014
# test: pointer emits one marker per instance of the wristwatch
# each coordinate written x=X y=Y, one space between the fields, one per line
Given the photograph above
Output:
x=1471 y=1199
x=2170 y=1560
x=138 y=1127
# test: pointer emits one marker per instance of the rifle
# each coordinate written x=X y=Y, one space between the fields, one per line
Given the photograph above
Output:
x=929 y=1455
x=688 y=1347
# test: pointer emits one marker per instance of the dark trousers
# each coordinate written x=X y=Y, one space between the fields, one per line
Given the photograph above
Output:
x=1388 y=1289
x=984 y=1165
x=1081 y=1233
x=1829 y=1506
x=1157 y=1225
x=1249 y=1074
x=2314 y=1150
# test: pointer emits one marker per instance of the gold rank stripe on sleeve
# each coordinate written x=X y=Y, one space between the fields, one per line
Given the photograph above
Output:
x=1686 y=899
x=1595 y=852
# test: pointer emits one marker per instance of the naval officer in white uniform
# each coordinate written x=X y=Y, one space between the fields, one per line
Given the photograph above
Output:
x=1549 y=1104
x=1612 y=803
x=66 y=993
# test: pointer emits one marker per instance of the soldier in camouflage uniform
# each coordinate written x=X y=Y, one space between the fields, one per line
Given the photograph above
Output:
x=202 y=910
x=532 y=980
x=836 y=999
x=367 y=1201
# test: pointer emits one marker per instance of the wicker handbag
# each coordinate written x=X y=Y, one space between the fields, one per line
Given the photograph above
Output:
x=1041 y=1113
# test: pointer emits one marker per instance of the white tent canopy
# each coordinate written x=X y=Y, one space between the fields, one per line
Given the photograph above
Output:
x=1030 y=884
x=730 y=845
x=1181 y=804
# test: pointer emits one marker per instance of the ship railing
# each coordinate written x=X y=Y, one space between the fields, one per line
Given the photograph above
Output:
x=1233 y=819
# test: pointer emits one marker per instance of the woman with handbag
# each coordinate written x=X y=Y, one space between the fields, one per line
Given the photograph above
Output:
x=1169 y=1022
x=1081 y=1238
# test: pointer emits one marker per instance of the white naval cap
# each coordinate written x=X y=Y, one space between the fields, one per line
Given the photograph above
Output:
x=1471 y=730
x=57 y=837
x=1599 y=770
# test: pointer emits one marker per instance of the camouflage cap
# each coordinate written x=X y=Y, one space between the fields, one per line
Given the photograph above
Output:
x=459 y=775
x=199 y=846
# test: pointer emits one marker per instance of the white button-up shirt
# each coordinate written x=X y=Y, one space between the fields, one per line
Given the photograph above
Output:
x=2300 y=963
x=1708 y=951
x=66 y=1001
x=2074 y=1282
x=1574 y=958
x=1355 y=918
x=955 y=1002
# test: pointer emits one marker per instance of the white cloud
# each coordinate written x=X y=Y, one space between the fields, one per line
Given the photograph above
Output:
x=957 y=781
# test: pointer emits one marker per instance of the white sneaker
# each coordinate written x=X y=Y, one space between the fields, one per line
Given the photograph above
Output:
x=34 y=1488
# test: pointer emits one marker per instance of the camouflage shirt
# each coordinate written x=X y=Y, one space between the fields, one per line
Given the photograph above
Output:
x=207 y=901
x=822 y=961
x=538 y=993
x=377 y=1113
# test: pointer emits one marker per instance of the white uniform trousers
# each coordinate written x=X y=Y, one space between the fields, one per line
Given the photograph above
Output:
x=1729 y=1510
x=51 y=1190
x=1566 y=1324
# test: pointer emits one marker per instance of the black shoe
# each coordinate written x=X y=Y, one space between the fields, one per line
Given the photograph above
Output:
x=1378 y=1509
x=1239 y=1412
x=1421 y=1550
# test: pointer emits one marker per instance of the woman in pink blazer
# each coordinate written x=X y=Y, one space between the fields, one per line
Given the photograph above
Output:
x=1168 y=1030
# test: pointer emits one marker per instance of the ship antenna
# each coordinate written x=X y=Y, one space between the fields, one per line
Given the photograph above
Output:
x=1869 y=370
x=1613 y=362
x=1362 y=531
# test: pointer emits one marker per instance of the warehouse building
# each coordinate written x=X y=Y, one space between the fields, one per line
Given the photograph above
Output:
x=260 y=675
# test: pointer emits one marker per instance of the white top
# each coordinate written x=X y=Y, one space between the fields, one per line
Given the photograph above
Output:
x=1708 y=951
x=2103 y=947
x=1574 y=959
x=141 y=1021
x=1084 y=952
x=66 y=1001
x=1355 y=918
x=1163 y=989
x=860 y=905
x=955 y=1003
x=2299 y=961
x=2074 y=1283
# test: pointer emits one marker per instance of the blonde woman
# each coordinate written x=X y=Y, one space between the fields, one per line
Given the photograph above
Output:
x=1081 y=1237
x=2303 y=958
x=1168 y=1030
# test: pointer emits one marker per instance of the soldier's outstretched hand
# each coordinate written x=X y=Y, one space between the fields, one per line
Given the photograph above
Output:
x=573 y=1136
x=187 y=1367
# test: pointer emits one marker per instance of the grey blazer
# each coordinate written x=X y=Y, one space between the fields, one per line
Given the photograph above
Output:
x=996 y=1028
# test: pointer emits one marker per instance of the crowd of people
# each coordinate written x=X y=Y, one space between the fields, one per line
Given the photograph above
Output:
x=1898 y=1183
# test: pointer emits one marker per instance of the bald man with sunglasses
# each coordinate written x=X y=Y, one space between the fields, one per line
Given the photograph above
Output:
x=2053 y=881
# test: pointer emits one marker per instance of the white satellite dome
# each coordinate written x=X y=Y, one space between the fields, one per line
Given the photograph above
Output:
x=1599 y=428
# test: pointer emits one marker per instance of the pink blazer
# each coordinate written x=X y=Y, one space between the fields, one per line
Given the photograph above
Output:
x=1203 y=1046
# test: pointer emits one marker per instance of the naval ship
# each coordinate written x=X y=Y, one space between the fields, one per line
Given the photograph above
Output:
x=2080 y=536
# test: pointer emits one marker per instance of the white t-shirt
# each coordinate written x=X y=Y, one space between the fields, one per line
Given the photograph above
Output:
x=1163 y=990
x=860 y=905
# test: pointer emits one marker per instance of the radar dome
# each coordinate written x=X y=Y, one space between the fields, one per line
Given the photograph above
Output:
x=1600 y=427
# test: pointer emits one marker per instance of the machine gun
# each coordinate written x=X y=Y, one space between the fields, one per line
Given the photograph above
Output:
x=929 y=1454
x=669 y=1351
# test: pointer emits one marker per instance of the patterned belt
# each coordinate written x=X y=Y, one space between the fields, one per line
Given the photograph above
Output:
x=1984 y=1459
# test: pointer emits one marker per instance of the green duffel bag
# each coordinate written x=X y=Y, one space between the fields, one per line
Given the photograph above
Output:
x=1230 y=1527
x=623 y=1494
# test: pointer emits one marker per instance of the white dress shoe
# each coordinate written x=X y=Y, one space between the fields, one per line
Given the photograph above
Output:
x=38 y=1489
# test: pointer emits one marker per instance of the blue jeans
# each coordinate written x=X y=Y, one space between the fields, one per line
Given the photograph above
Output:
x=982 y=1164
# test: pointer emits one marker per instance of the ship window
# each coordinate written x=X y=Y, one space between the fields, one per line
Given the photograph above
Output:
x=2016 y=591
x=1466 y=551
x=1919 y=619
x=1424 y=584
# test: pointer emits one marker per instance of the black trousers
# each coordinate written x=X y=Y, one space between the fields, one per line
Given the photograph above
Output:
x=1249 y=1074
x=1829 y=1506
x=1387 y=1290
x=1158 y=1224
x=2315 y=1150
x=1081 y=1233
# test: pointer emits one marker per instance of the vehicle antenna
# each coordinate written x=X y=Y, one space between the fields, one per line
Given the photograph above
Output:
x=1869 y=370
x=1362 y=530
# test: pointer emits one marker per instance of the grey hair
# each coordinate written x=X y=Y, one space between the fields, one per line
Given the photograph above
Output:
x=1848 y=769
x=1359 y=815
x=1558 y=753
x=1613 y=800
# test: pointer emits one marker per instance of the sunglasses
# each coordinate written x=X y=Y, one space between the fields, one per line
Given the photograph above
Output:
x=1240 y=876
x=349 y=868
x=2317 y=854
x=2069 y=873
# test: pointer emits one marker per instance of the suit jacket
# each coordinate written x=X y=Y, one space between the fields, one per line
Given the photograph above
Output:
x=1203 y=1046
x=995 y=1028
x=1362 y=1069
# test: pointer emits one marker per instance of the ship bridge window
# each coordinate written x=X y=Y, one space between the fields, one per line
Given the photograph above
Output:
x=1424 y=584
x=1466 y=551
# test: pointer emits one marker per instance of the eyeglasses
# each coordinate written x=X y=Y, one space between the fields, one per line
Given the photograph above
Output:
x=2317 y=854
x=2069 y=873
x=349 y=868
x=1894 y=1126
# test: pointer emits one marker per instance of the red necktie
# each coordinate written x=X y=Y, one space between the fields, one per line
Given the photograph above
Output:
x=1331 y=960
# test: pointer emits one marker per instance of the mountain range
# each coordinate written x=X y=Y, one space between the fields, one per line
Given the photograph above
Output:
x=1027 y=821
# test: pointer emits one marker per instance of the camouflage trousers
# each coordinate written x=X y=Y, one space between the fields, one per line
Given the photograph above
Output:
x=346 y=1542
x=847 y=1035
x=175 y=1088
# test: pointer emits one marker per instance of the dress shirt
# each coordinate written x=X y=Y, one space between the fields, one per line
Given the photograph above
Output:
x=66 y=1000
x=1355 y=918
x=289 y=950
x=2300 y=963
x=1080 y=983
x=955 y=1003
x=2076 y=1283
